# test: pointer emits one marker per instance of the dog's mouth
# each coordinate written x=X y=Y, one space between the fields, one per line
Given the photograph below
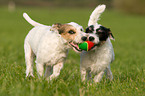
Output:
x=75 y=47
x=95 y=46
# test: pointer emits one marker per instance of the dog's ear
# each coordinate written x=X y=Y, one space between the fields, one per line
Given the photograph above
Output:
x=110 y=33
x=58 y=26
x=111 y=36
x=104 y=33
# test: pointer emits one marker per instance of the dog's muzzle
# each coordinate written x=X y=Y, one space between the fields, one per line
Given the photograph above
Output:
x=91 y=38
x=75 y=47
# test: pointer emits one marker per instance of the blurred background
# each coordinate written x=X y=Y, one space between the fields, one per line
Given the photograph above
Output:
x=130 y=6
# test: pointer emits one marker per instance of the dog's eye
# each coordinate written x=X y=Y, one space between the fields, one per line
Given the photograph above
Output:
x=81 y=29
x=89 y=30
x=71 y=32
x=97 y=29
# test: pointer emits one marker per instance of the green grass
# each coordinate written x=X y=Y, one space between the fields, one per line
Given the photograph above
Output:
x=128 y=68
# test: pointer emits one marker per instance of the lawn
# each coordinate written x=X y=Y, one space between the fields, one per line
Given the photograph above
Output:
x=128 y=68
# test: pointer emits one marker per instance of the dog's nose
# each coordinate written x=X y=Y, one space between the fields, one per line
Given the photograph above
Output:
x=84 y=38
x=91 y=38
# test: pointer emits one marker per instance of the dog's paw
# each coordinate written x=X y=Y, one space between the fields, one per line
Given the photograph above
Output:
x=30 y=75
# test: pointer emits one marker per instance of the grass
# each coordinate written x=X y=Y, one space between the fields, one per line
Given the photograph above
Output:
x=128 y=68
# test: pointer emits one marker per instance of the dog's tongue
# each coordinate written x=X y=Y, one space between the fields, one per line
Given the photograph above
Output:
x=87 y=45
x=75 y=45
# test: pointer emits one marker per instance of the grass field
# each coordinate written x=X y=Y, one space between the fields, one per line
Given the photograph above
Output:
x=128 y=68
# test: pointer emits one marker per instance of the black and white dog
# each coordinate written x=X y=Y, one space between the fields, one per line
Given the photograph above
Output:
x=97 y=60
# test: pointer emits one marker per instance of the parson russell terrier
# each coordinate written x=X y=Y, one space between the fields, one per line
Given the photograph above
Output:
x=50 y=44
x=98 y=59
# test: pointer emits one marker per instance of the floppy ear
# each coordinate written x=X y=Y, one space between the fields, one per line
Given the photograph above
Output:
x=57 y=26
x=111 y=36
x=109 y=32
x=94 y=17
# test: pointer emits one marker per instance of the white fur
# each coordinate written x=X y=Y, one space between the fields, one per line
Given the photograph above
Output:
x=94 y=17
x=49 y=48
x=32 y=22
x=98 y=60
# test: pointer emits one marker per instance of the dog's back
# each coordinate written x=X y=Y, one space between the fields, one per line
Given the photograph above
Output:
x=36 y=35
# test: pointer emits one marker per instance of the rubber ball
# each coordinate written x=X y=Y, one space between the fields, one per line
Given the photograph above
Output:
x=87 y=45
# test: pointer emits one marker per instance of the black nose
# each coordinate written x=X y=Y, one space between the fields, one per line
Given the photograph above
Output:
x=91 y=38
x=84 y=38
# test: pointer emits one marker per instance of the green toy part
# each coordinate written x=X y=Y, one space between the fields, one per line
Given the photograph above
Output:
x=83 y=46
x=87 y=45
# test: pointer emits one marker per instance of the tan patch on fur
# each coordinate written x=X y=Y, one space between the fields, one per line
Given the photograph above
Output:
x=64 y=31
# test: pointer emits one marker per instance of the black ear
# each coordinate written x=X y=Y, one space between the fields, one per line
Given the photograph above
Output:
x=111 y=36
x=104 y=33
x=109 y=32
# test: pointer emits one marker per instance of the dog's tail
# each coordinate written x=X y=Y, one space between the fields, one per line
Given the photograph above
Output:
x=32 y=22
x=96 y=14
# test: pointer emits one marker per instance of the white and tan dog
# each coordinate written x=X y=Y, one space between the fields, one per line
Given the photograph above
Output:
x=98 y=59
x=50 y=44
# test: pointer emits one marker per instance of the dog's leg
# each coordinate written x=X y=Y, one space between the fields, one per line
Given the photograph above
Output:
x=98 y=77
x=83 y=74
x=48 y=71
x=109 y=73
x=40 y=68
x=29 y=56
x=56 y=71
x=89 y=75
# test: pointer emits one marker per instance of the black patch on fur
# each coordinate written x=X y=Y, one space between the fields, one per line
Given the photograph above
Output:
x=90 y=29
x=103 y=33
